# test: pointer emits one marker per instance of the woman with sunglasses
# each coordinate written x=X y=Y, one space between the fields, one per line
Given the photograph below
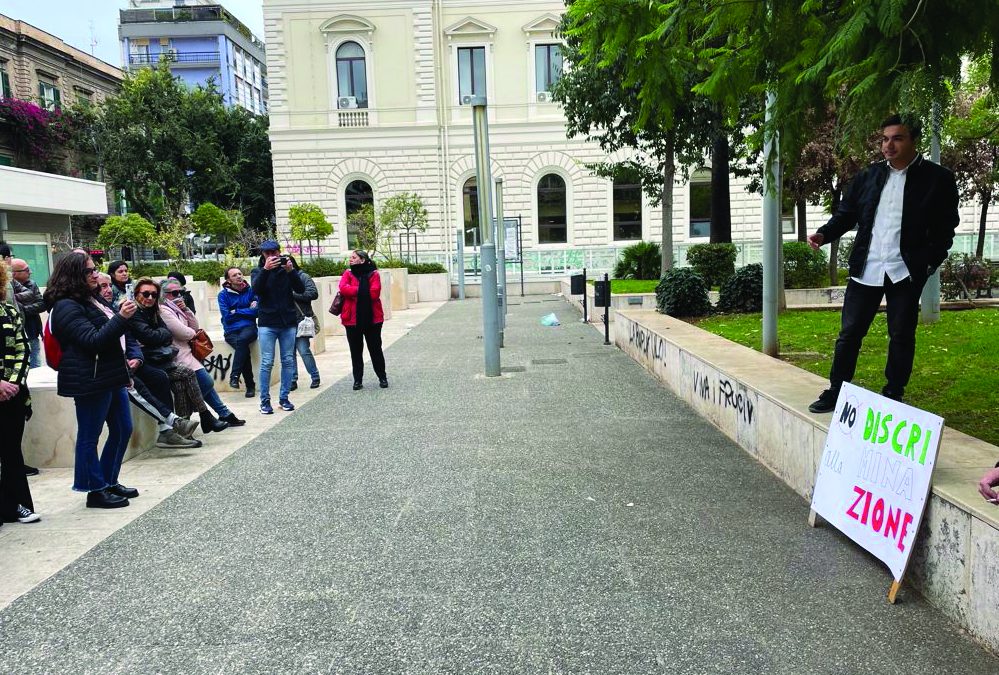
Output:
x=184 y=325
x=94 y=373
x=158 y=348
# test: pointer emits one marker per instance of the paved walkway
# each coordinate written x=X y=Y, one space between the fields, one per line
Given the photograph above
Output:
x=570 y=517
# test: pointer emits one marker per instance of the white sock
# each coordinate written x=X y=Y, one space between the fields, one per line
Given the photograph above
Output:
x=172 y=419
x=163 y=426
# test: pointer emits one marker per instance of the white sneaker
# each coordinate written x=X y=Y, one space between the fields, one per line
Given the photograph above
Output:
x=26 y=515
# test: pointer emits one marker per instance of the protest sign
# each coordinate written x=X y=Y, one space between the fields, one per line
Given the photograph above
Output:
x=874 y=477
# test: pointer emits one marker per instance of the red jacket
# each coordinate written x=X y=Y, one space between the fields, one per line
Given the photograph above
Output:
x=348 y=290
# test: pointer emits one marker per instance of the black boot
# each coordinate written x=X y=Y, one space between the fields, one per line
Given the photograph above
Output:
x=122 y=491
x=232 y=420
x=209 y=423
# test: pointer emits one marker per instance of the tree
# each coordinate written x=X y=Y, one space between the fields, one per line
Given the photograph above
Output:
x=211 y=220
x=128 y=230
x=308 y=222
x=367 y=228
x=404 y=211
x=972 y=142
x=615 y=90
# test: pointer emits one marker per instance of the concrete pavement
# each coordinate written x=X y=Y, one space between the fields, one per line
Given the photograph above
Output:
x=571 y=516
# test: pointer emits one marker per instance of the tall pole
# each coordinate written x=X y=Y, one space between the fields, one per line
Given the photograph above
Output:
x=460 y=260
x=490 y=306
x=771 y=233
x=501 y=260
x=929 y=301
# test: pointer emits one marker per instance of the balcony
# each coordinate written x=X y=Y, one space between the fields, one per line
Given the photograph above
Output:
x=180 y=58
x=352 y=118
x=183 y=14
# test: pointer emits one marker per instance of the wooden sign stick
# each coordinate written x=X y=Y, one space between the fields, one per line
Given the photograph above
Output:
x=893 y=591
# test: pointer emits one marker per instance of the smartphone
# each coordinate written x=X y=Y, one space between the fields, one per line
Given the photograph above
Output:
x=130 y=291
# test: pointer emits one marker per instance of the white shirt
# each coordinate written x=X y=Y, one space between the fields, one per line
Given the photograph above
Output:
x=885 y=254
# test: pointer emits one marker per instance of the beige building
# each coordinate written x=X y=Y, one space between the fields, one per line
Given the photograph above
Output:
x=366 y=102
x=35 y=207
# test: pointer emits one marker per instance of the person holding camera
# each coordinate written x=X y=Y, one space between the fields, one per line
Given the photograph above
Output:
x=275 y=282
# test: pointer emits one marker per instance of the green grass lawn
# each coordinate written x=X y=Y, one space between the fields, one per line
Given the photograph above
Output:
x=956 y=372
x=625 y=286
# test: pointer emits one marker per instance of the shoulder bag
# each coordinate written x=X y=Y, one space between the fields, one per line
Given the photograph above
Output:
x=201 y=345
x=337 y=306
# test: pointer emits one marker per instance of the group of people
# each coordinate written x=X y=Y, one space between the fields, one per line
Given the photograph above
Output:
x=114 y=340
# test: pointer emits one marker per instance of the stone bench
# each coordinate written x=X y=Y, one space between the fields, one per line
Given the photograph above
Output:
x=955 y=562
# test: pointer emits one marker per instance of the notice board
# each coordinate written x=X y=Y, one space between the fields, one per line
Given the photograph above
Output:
x=874 y=477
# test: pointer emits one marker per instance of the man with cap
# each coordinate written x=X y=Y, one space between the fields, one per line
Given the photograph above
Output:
x=274 y=282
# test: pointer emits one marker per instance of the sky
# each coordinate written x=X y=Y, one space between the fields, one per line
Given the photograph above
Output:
x=78 y=22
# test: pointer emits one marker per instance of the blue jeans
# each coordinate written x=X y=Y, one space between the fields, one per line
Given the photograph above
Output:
x=303 y=349
x=91 y=473
x=208 y=393
x=35 y=358
x=240 y=341
x=285 y=337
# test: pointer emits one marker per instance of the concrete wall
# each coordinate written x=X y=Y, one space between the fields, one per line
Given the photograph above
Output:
x=760 y=403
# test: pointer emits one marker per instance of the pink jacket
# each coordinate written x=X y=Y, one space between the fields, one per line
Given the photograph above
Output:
x=183 y=325
x=348 y=290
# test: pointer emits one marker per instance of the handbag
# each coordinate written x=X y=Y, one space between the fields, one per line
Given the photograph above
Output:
x=53 y=350
x=160 y=356
x=337 y=306
x=201 y=345
x=306 y=327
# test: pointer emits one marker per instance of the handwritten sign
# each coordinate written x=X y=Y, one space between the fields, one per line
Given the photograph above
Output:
x=874 y=477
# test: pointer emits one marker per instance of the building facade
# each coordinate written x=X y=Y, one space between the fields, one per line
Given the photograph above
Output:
x=201 y=41
x=367 y=102
x=35 y=207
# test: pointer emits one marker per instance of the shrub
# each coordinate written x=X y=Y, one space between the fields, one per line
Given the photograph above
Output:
x=426 y=268
x=201 y=270
x=842 y=276
x=682 y=292
x=323 y=267
x=961 y=273
x=146 y=269
x=743 y=291
x=804 y=267
x=639 y=261
x=714 y=262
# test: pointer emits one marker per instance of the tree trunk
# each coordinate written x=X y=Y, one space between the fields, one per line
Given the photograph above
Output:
x=669 y=174
x=986 y=200
x=802 y=210
x=721 y=211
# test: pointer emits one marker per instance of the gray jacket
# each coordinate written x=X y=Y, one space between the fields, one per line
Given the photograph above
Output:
x=303 y=301
x=30 y=302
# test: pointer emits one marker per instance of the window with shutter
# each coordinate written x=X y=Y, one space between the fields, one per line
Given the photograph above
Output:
x=5 y=91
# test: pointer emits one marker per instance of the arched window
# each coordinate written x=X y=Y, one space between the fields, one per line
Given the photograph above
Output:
x=470 y=210
x=627 y=207
x=351 y=78
x=551 y=210
x=357 y=195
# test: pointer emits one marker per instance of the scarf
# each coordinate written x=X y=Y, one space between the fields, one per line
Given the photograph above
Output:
x=107 y=310
x=365 y=311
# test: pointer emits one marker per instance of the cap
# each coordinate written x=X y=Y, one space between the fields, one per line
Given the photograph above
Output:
x=270 y=245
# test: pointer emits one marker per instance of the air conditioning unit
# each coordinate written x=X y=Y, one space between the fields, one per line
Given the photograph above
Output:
x=346 y=102
x=170 y=54
x=544 y=97
x=467 y=99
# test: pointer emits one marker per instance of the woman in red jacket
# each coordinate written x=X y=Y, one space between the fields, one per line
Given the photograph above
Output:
x=362 y=315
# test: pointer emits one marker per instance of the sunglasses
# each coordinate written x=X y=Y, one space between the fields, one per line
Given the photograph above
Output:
x=90 y=271
x=175 y=294
x=149 y=294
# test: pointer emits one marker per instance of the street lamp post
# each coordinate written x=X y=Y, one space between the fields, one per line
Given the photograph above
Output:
x=500 y=261
x=490 y=308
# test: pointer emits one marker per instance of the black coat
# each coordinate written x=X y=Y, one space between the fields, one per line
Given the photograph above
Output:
x=156 y=340
x=929 y=216
x=92 y=358
x=275 y=299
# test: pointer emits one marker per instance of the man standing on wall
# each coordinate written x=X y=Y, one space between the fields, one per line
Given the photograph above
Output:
x=905 y=212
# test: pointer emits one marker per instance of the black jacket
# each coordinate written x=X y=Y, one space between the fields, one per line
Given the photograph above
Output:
x=275 y=299
x=148 y=328
x=929 y=216
x=92 y=358
x=31 y=304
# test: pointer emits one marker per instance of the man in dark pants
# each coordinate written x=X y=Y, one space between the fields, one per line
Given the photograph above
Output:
x=905 y=212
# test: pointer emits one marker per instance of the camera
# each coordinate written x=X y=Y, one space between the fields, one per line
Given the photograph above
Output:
x=283 y=260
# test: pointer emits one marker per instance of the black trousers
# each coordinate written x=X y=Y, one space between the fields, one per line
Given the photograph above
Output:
x=14 y=488
x=356 y=336
x=859 y=309
x=154 y=385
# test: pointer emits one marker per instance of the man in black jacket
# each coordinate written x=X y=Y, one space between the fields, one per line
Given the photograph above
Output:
x=905 y=212
x=29 y=301
x=274 y=281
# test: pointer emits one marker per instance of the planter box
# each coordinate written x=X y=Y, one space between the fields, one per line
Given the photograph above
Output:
x=431 y=287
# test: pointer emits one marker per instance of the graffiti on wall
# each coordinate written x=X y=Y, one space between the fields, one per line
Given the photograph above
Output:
x=218 y=366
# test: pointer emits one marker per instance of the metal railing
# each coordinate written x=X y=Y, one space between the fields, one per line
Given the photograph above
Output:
x=175 y=57
x=352 y=118
x=176 y=14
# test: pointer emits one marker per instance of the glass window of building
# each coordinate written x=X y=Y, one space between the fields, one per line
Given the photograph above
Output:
x=5 y=90
x=471 y=72
x=351 y=77
x=627 y=207
x=49 y=96
x=552 y=227
x=700 y=204
x=358 y=193
x=470 y=210
x=547 y=66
